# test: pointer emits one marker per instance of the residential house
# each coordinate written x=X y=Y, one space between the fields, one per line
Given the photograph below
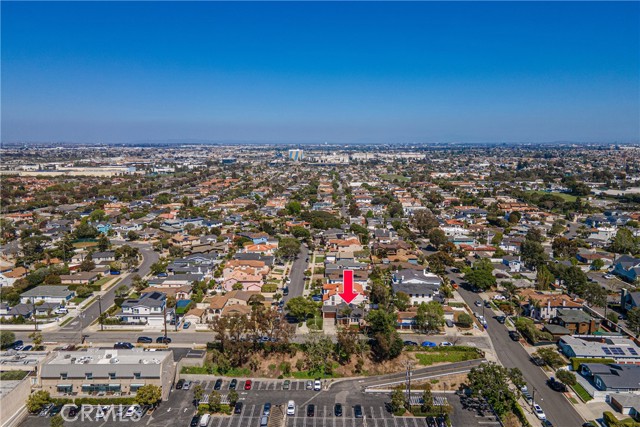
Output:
x=621 y=350
x=82 y=278
x=421 y=286
x=47 y=293
x=612 y=377
x=627 y=268
x=149 y=309
x=544 y=305
x=576 y=321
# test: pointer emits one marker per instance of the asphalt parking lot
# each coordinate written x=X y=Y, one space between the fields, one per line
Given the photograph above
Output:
x=179 y=409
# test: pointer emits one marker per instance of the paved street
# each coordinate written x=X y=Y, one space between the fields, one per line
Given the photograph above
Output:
x=72 y=332
x=300 y=264
x=511 y=354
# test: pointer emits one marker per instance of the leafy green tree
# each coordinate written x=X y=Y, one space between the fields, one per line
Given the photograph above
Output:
x=387 y=343
x=544 y=278
x=633 y=320
x=550 y=357
x=288 y=247
x=424 y=220
x=597 y=264
x=7 y=338
x=87 y=264
x=437 y=237
x=532 y=253
x=36 y=337
x=215 y=401
x=233 y=397
x=301 y=308
x=148 y=395
x=624 y=242
x=86 y=231
x=37 y=400
x=566 y=377
x=56 y=421
x=103 y=243
x=397 y=400
x=198 y=392
x=293 y=207
x=318 y=350
x=427 y=398
x=594 y=294
x=430 y=317
x=402 y=301
x=300 y=232
x=464 y=320
x=491 y=381
x=613 y=317
x=564 y=248
x=481 y=275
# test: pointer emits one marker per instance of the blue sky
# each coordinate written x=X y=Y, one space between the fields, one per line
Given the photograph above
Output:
x=309 y=72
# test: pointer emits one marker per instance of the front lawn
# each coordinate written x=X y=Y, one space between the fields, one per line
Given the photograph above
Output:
x=429 y=356
x=580 y=391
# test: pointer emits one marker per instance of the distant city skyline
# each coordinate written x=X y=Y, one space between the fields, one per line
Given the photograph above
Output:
x=306 y=72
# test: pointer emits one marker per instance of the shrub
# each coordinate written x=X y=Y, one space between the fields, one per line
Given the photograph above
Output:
x=464 y=320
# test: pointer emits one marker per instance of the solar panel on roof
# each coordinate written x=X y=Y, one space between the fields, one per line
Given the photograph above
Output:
x=633 y=351
x=606 y=350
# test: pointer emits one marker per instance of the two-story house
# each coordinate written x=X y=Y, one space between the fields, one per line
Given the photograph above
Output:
x=149 y=309
x=420 y=285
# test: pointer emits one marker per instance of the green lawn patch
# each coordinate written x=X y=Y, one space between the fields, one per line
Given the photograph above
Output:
x=13 y=375
x=429 y=356
x=565 y=197
x=319 y=259
x=67 y=321
x=102 y=281
x=78 y=300
x=582 y=393
x=315 y=323
x=391 y=177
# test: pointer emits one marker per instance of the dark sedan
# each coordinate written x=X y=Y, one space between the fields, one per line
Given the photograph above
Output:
x=144 y=340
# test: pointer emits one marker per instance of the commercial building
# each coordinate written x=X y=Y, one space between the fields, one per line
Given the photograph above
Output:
x=107 y=372
x=296 y=155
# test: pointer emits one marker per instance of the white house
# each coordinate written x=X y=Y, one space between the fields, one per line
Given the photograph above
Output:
x=47 y=293
x=147 y=310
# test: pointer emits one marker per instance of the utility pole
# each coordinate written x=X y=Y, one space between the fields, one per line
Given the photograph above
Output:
x=164 y=313
x=100 y=309
x=408 y=364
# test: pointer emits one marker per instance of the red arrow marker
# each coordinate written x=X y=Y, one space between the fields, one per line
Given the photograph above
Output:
x=347 y=287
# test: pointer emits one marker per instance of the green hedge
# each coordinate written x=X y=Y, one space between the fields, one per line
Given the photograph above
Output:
x=269 y=287
x=611 y=421
x=517 y=409
x=105 y=401
x=577 y=361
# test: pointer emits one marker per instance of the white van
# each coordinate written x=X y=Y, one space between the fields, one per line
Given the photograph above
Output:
x=204 y=421
x=61 y=310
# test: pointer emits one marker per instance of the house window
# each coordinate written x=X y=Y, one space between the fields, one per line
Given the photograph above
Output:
x=112 y=375
x=137 y=375
x=88 y=375
x=63 y=375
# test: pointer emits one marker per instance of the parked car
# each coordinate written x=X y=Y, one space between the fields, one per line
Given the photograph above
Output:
x=449 y=323
x=357 y=411
x=186 y=325
x=445 y=344
x=195 y=421
x=539 y=412
x=247 y=385
x=441 y=422
x=608 y=276
x=55 y=410
x=179 y=384
x=431 y=422
x=478 y=303
x=218 y=384
x=238 y=408
x=538 y=361
x=187 y=385
x=73 y=411
x=285 y=291
x=27 y=348
x=233 y=384
x=133 y=409
x=45 y=410
x=145 y=340
x=17 y=345
x=286 y=385
x=123 y=346
x=163 y=340
x=546 y=423
x=429 y=344
x=501 y=319
x=309 y=385
x=515 y=336
x=311 y=410
x=264 y=421
x=337 y=410
x=291 y=408
x=317 y=385
x=556 y=385
x=410 y=343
